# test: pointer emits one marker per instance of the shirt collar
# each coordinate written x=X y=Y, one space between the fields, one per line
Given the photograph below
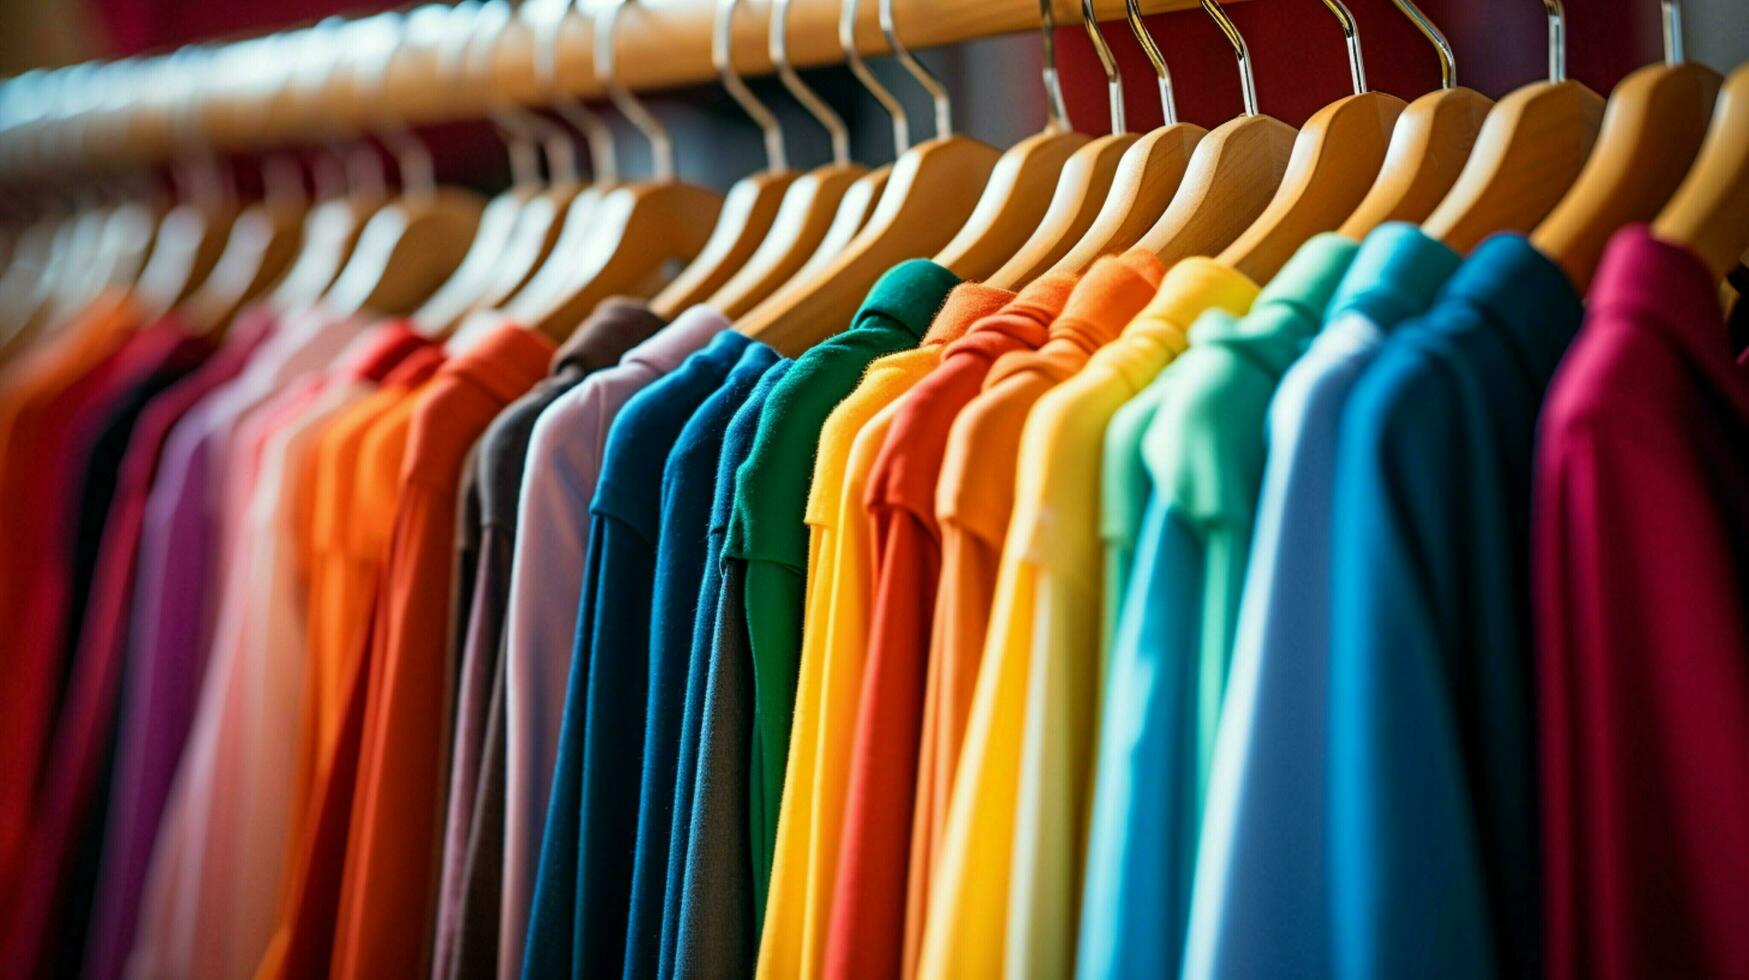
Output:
x=1192 y=286
x=665 y=349
x=505 y=362
x=1108 y=297
x=388 y=344
x=1665 y=283
x=908 y=294
x=966 y=304
x=1292 y=305
x=615 y=327
x=1518 y=287
x=1394 y=274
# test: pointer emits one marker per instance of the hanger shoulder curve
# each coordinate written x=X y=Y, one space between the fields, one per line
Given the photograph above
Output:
x=635 y=232
x=1014 y=200
x=492 y=236
x=189 y=242
x=1146 y=179
x=262 y=244
x=539 y=228
x=808 y=211
x=1335 y=161
x=1230 y=179
x=1429 y=146
x=1709 y=212
x=1652 y=129
x=854 y=213
x=927 y=198
x=1081 y=190
x=744 y=220
x=405 y=252
x=1531 y=148
x=330 y=234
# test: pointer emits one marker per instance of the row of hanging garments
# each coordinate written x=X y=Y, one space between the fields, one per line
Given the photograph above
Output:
x=1255 y=551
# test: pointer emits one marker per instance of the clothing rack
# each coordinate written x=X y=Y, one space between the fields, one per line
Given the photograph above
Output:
x=261 y=93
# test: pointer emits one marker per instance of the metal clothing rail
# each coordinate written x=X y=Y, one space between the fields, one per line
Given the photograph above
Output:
x=337 y=79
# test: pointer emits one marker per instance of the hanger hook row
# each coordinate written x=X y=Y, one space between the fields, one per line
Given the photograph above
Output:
x=1056 y=108
x=597 y=134
x=1241 y=50
x=1351 y=35
x=1162 y=74
x=1672 y=11
x=859 y=68
x=1113 y=78
x=723 y=57
x=1557 y=40
x=1431 y=31
x=811 y=101
x=661 y=145
x=926 y=78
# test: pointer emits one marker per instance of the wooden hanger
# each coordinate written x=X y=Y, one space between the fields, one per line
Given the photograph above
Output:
x=1024 y=190
x=1336 y=158
x=926 y=199
x=1709 y=213
x=411 y=245
x=811 y=208
x=752 y=204
x=1232 y=174
x=1147 y=175
x=263 y=242
x=637 y=230
x=1530 y=150
x=1429 y=145
x=1087 y=175
x=1652 y=128
x=332 y=228
x=524 y=135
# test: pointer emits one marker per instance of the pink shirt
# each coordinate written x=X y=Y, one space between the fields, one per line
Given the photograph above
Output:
x=546 y=576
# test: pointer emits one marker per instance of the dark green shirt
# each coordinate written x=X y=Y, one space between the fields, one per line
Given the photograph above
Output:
x=767 y=531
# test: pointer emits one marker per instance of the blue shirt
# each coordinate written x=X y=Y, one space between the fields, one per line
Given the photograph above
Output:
x=676 y=681
x=1259 y=905
x=613 y=637
x=1203 y=451
x=715 y=934
x=1434 y=858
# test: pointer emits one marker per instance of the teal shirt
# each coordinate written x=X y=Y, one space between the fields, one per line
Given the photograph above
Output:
x=1203 y=451
x=767 y=530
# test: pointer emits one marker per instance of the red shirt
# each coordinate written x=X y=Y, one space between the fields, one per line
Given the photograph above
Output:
x=1641 y=568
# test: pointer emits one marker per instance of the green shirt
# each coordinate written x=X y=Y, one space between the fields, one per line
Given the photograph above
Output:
x=767 y=528
x=1203 y=451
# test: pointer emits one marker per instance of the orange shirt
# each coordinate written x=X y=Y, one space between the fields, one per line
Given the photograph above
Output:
x=974 y=497
x=387 y=893
x=359 y=485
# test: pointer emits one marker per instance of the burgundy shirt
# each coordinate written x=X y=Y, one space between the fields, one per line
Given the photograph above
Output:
x=1641 y=569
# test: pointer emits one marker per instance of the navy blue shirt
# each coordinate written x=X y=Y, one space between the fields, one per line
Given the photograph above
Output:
x=670 y=718
x=708 y=930
x=1432 y=806
x=613 y=637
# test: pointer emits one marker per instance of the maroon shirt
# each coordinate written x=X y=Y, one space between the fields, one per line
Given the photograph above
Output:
x=1641 y=566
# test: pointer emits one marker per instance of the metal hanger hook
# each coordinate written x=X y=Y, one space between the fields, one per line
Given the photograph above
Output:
x=597 y=135
x=1350 y=34
x=412 y=157
x=1056 y=109
x=521 y=129
x=1557 y=40
x=1113 y=79
x=859 y=68
x=723 y=57
x=1431 y=31
x=1672 y=10
x=926 y=78
x=811 y=101
x=1241 y=50
x=1162 y=75
x=661 y=145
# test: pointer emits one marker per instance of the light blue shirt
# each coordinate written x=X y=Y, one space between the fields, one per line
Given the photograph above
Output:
x=1259 y=905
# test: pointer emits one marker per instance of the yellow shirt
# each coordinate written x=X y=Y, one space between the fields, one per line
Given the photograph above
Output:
x=839 y=592
x=1010 y=868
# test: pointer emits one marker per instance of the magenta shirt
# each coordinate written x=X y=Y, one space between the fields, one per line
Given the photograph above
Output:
x=1641 y=572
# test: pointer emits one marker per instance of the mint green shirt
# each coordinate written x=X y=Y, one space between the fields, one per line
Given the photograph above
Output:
x=1203 y=451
